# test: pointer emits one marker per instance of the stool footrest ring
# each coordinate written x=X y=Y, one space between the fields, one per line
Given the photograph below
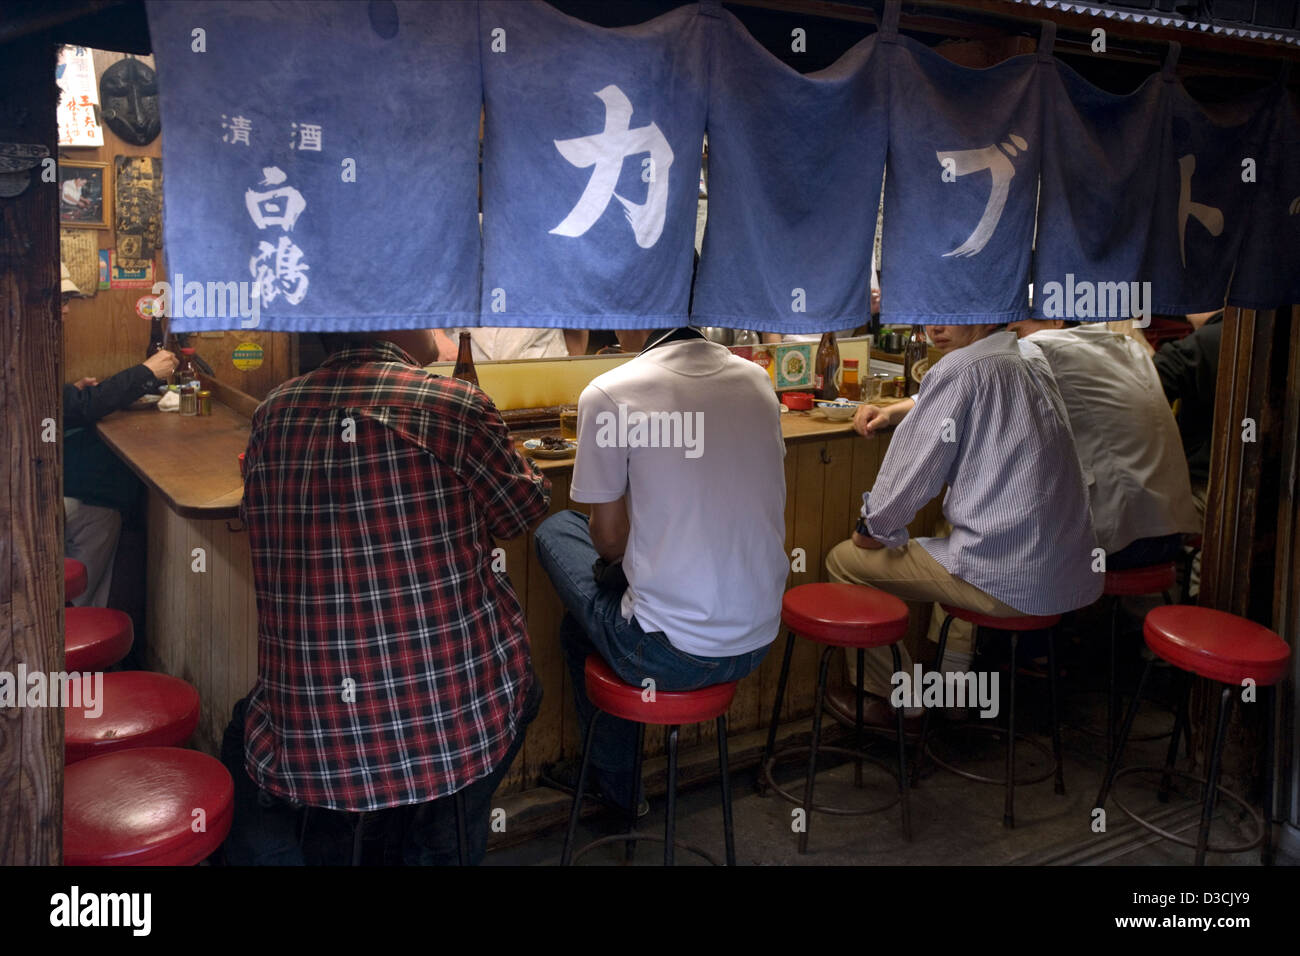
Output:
x=998 y=781
x=1255 y=817
x=788 y=752
x=636 y=836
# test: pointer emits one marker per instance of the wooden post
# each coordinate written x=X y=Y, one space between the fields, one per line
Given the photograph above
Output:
x=31 y=512
x=1246 y=549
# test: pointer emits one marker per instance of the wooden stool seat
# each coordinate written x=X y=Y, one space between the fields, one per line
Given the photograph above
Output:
x=139 y=709
x=139 y=808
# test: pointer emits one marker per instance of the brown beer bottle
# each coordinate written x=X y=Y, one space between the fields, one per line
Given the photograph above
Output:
x=464 y=369
x=155 y=335
x=827 y=367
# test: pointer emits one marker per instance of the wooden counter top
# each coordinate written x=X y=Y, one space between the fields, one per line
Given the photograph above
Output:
x=191 y=461
x=795 y=426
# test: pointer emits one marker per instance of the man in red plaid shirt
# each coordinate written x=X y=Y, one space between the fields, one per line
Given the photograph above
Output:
x=393 y=664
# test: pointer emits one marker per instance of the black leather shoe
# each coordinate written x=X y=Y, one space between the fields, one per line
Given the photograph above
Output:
x=876 y=712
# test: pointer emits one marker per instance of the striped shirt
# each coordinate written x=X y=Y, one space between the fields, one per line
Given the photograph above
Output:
x=392 y=663
x=990 y=424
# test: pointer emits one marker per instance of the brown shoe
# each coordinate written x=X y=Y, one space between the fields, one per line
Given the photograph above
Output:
x=876 y=711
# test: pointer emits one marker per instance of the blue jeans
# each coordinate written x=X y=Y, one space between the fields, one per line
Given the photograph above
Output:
x=267 y=829
x=594 y=624
x=1145 y=552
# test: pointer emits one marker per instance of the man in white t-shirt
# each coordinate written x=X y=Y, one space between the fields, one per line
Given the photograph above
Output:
x=680 y=456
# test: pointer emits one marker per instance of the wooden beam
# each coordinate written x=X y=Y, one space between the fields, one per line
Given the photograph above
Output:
x=31 y=516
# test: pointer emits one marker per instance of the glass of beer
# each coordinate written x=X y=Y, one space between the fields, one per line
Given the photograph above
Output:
x=569 y=422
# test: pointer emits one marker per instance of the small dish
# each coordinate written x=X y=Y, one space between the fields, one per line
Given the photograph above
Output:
x=145 y=401
x=837 y=411
x=534 y=448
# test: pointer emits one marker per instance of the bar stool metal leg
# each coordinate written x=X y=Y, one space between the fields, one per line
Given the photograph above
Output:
x=1055 y=702
x=902 y=745
x=925 y=717
x=462 y=838
x=629 y=849
x=670 y=811
x=357 y=838
x=1009 y=810
x=812 y=750
x=1270 y=716
x=1112 y=699
x=728 y=827
x=1212 y=778
x=1180 y=723
x=1113 y=769
x=776 y=709
x=857 y=726
x=566 y=857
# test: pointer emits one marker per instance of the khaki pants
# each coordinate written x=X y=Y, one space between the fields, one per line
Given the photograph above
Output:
x=911 y=574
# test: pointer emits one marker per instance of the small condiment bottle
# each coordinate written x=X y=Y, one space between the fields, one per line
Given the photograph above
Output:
x=205 y=402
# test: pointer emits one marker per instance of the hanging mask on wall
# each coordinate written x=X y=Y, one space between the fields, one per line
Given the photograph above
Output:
x=128 y=96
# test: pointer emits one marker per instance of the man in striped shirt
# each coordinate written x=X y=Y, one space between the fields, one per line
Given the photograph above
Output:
x=990 y=424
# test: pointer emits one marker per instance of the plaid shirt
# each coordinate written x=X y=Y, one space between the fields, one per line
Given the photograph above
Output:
x=392 y=661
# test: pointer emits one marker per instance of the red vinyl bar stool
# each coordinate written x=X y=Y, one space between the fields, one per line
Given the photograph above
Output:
x=140 y=709
x=1014 y=626
x=1224 y=648
x=854 y=617
x=96 y=638
x=138 y=808
x=74 y=580
x=1132 y=582
x=670 y=709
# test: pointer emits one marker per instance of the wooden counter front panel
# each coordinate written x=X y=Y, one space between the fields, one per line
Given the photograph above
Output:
x=203 y=626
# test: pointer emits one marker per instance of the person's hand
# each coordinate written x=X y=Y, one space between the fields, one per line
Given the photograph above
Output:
x=862 y=541
x=870 y=419
x=162 y=363
x=875 y=301
x=85 y=382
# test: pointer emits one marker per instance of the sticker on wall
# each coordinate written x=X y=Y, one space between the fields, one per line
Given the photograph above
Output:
x=121 y=277
x=248 y=356
x=146 y=306
x=794 y=365
x=103 y=268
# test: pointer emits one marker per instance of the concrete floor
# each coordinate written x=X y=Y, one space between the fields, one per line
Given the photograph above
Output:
x=954 y=821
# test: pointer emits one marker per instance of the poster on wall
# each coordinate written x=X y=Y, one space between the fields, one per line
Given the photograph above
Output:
x=78 y=249
x=103 y=268
x=74 y=72
x=130 y=274
x=138 y=222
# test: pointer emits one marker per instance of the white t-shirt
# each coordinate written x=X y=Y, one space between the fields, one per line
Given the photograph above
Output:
x=493 y=344
x=1125 y=433
x=705 y=560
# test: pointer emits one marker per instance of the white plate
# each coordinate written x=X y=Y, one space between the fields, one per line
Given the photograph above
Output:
x=534 y=447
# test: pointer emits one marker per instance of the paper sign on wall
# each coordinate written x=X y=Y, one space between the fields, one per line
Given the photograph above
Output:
x=74 y=72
